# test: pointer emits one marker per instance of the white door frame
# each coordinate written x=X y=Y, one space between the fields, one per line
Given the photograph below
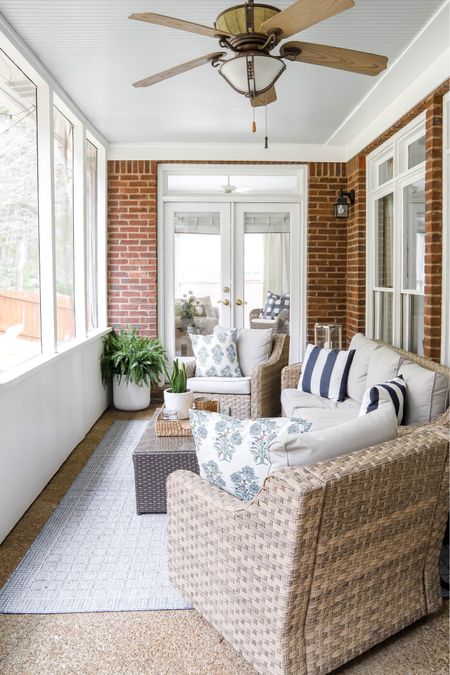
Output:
x=299 y=253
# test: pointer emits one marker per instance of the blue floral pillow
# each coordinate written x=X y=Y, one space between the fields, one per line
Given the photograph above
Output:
x=234 y=454
x=216 y=355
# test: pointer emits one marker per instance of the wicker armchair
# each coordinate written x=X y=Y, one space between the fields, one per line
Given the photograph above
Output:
x=325 y=562
x=280 y=325
x=264 y=397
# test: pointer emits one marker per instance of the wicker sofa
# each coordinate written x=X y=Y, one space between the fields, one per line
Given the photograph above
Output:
x=326 y=560
x=263 y=397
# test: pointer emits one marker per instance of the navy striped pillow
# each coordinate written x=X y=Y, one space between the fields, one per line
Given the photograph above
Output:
x=389 y=393
x=325 y=372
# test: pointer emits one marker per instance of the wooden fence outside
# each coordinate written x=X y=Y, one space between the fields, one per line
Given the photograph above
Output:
x=23 y=308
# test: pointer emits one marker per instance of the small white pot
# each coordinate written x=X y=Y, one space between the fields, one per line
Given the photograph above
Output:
x=130 y=396
x=179 y=402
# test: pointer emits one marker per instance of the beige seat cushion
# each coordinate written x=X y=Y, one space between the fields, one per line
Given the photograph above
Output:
x=357 y=375
x=323 y=419
x=291 y=399
x=219 y=385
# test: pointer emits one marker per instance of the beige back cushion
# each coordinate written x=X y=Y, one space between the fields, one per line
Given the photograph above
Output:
x=383 y=366
x=254 y=346
x=357 y=376
x=426 y=393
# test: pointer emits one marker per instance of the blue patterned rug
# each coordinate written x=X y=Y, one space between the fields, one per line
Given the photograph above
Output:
x=95 y=554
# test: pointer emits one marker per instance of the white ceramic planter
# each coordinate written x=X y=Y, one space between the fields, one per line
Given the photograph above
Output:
x=130 y=396
x=179 y=402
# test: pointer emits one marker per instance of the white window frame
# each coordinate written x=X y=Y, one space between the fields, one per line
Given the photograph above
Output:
x=301 y=198
x=397 y=148
x=49 y=93
x=445 y=339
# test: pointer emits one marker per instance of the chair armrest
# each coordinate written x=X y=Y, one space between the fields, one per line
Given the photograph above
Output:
x=290 y=376
x=254 y=313
x=266 y=379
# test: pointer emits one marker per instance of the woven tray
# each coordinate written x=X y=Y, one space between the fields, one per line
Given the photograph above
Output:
x=171 y=427
x=207 y=404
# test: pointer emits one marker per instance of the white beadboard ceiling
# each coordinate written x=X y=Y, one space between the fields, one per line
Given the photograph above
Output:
x=95 y=52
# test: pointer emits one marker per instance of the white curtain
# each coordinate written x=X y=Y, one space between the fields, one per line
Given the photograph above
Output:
x=276 y=263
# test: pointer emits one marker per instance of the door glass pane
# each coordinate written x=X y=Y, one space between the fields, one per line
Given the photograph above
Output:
x=197 y=276
x=413 y=329
x=383 y=316
x=20 y=327
x=416 y=152
x=267 y=269
x=64 y=246
x=385 y=171
x=384 y=240
x=91 y=237
x=414 y=236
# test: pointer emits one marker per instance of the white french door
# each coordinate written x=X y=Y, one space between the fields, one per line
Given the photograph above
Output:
x=219 y=262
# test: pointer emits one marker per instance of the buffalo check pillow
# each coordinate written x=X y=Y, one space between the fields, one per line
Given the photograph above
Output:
x=274 y=304
x=388 y=394
x=325 y=372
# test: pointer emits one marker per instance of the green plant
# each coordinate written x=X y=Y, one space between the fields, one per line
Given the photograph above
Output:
x=178 y=378
x=137 y=358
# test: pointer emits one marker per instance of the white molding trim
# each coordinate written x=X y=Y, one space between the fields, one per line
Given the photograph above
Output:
x=227 y=152
x=445 y=333
x=420 y=68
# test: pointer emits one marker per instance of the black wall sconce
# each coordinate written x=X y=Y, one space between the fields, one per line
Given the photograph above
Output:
x=342 y=204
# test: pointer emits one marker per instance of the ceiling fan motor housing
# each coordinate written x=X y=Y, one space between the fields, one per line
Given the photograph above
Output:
x=242 y=20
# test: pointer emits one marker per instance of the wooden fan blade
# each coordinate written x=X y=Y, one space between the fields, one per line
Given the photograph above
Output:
x=302 y=14
x=334 y=57
x=269 y=96
x=172 y=22
x=177 y=70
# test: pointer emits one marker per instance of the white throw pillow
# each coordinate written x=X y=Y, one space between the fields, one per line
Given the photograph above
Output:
x=390 y=394
x=325 y=372
x=254 y=346
x=233 y=454
x=357 y=375
x=427 y=393
x=289 y=450
x=215 y=355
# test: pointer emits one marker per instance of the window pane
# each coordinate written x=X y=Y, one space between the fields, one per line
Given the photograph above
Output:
x=414 y=236
x=197 y=276
x=91 y=237
x=266 y=184
x=416 y=152
x=189 y=183
x=20 y=327
x=384 y=240
x=383 y=316
x=266 y=267
x=64 y=251
x=385 y=171
x=413 y=329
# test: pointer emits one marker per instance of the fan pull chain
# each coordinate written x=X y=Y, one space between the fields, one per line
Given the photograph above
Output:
x=266 y=138
x=253 y=122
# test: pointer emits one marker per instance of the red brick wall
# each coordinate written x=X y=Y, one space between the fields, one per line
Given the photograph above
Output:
x=327 y=247
x=132 y=252
x=132 y=246
x=356 y=270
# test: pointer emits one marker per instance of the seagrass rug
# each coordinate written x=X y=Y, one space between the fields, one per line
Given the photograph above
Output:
x=95 y=554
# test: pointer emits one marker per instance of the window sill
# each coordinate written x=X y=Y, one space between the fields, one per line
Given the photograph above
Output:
x=33 y=365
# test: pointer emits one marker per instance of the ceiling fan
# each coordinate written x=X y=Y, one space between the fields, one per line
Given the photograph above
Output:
x=251 y=31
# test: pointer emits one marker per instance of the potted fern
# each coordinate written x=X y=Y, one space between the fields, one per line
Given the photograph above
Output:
x=132 y=362
x=178 y=397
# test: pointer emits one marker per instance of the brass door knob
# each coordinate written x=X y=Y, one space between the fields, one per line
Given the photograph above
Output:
x=226 y=289
x=239 y=301
x=225 y=302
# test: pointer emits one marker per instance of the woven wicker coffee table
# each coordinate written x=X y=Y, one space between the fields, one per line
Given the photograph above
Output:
x=154 y=459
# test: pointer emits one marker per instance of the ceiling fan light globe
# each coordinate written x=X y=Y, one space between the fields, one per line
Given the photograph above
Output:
x=252 y=74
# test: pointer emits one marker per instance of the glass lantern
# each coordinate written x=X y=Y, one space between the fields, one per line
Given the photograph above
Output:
x=328 y=335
